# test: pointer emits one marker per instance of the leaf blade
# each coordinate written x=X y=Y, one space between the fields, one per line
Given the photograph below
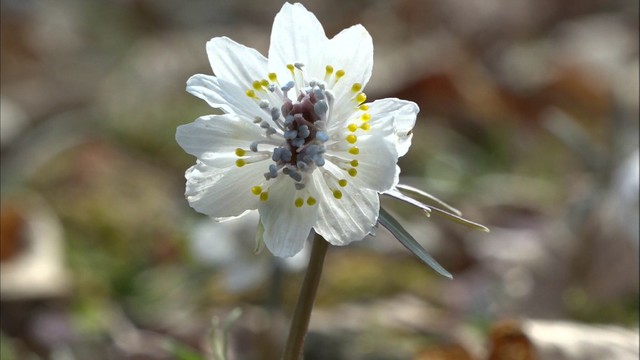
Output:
x=390 y=223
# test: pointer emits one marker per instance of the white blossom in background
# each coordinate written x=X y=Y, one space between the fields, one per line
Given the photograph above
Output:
x=298 y=140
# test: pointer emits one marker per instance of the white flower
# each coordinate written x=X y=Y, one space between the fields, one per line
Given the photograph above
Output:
x=297 y=139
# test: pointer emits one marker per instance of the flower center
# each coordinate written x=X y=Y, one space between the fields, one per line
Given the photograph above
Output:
x=301 y=120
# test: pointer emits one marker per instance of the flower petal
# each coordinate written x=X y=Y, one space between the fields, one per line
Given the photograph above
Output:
x=236 y=63
x=223 y=95
x=352 y=51
x=214 y=139
x=394 y=118
x=222 y=193
x=296 y=36
x=350 y=218
x=286 y=227
x=376 y=163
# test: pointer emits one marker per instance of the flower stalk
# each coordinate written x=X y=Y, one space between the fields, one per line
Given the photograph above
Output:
x=302 y=314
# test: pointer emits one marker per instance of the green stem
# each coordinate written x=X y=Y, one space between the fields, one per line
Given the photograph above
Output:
x=300 y=321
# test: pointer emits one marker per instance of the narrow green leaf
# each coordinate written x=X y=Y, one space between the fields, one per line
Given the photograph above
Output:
x=432 y=200
x=229 y=321
x=182 y=352
x=390 y=223
x=459 y=220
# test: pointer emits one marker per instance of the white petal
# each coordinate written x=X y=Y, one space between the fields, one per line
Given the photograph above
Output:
x=296 y=36
x=351 y=218
x=377 y=160
x=222 y=193
x=352 y=51
x=214 y=139
x=395 y=119
x=236 y=63
x=286 y=227
x=223 y=95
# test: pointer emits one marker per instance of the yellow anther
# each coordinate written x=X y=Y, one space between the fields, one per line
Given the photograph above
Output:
x=264 y=83
x=256 y=85
x=342 y=182
x=339 y=73
x=353 y=172
x=365 y=117
x=351 y=139
x=256 y=190
x=240 y=152
x=354 y=150
x=363 y=107
x=311 y=201
x=240 y=163
x=273 y=77
x=356 y=87
x=352 y=127
x=328 y=69
x=290 y=67
x=362 y=97
x=337 y=194
x=354 y=163
x=365 y=126
x=299 y=202
x=250 y=93
x=264 y=196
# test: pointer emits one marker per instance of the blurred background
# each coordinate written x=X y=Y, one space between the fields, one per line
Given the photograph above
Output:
x=528 y=124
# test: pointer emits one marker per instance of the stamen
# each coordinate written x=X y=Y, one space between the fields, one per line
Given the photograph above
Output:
x=275 y=113
x=299 y=202
x=356 y=87
x=360 y=98
x=240 y=152
x=264 y=196
x=353 y=172
x=321 y=108
x=303 y=132
x=256 y=190
x=297 y=143
x=286 y=155
x=290 y=134
x=273 y=171
x=295 y=175
x=342 y=182
x=322 y=136
x=351 y=139
x=354 y=150
x=311 y=201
